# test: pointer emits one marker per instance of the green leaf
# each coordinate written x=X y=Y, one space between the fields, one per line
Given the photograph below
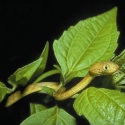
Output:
x=22 y=75
x=3 y=91
x=35 y=108
x=47 y=90
x=89 y=41
x=101 y=106
x=52 y=116
x=117 y=79
x=44 y=57
x=120 y=59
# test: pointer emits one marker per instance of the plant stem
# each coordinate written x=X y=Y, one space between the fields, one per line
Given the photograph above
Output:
x=45 y=75
x=14 y=86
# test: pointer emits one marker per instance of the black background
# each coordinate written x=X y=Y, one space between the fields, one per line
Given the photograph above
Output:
x=26 y=26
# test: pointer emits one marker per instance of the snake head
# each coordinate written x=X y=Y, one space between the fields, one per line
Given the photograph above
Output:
x=103 y=68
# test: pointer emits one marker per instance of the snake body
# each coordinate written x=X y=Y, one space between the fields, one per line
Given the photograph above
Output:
x=101 y=68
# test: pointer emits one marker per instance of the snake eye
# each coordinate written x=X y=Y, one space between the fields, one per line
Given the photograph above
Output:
x=106 y=67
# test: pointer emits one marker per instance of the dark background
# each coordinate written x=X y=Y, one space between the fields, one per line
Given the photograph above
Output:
x=26 y=26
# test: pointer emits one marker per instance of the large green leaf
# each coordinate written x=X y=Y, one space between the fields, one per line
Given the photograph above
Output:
x=101 y=106
x=52 y=116
x=89 y=41
x=3 y=91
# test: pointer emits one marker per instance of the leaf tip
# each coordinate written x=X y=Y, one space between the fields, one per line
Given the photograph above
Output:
x=114 y=10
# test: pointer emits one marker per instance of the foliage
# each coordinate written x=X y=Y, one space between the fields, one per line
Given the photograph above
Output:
x=117 y=80
x=104 y=105
x=52 y=116
x=3 y=91
x=23 y=75
x=34 y=108
x=89 y=41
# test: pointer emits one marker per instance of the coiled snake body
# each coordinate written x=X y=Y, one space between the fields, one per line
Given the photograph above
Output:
x=101 y=68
